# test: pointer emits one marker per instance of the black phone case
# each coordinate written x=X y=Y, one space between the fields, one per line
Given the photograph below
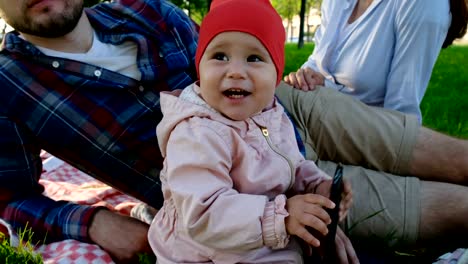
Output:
x=335 y=196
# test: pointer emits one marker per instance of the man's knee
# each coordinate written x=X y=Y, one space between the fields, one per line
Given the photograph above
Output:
x=386 y=207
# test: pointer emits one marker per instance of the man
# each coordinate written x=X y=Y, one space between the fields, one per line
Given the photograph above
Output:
x=85 y=87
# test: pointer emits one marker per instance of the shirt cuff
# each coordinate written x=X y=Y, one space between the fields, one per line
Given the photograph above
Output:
x=80 y=218
x=273 y=226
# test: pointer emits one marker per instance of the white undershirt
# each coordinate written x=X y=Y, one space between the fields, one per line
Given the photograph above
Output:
x=118 y=58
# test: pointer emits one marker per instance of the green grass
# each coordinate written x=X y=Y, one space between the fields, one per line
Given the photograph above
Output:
x=445 y=105
x=23 y=254
x=296 y=57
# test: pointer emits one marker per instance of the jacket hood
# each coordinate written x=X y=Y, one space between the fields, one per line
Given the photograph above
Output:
x=176 y=109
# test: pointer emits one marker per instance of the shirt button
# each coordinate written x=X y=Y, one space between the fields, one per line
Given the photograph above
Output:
x=55 y=64
x=141 y=88
x=97 y=73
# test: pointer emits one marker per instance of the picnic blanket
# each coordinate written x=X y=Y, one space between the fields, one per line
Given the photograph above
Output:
x=64 y=182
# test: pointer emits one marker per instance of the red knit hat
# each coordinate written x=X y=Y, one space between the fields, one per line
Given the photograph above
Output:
x=255 y=17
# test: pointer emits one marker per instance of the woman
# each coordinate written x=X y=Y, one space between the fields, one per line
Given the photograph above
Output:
x=381 y=52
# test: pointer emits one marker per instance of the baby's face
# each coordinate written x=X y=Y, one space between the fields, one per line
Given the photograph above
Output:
x=237 y=75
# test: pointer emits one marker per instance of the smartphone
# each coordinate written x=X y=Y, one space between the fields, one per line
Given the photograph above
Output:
x=327 y=254
x=335 y=196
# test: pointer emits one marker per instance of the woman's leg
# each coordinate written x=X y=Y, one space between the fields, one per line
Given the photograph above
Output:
x=339 y=128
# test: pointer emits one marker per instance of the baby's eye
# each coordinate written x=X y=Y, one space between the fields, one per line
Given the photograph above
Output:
x=220 y=56
x=254 y=58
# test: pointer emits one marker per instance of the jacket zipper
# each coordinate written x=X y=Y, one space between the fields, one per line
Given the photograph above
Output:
x=266 y=135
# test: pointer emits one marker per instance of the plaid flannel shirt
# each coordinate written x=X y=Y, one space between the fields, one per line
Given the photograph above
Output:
x=99 y=121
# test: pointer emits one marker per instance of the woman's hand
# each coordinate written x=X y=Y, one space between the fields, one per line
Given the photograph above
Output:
x=305 y=79
x=344 y=249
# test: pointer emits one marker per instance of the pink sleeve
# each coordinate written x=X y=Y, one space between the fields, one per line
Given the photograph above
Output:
x=273 y=226
x=308 y=176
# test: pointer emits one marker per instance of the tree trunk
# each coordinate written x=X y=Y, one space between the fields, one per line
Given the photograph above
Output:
x=300 y=42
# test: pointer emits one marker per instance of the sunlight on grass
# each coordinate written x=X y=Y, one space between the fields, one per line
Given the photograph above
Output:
x=445 y=104
x=23 y=254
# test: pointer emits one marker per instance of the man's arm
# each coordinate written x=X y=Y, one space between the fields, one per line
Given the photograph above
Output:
x=23 y=205
x=123 y=237
x=21 y=201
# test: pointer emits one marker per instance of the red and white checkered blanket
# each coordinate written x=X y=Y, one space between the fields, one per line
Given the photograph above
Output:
x=63 y=182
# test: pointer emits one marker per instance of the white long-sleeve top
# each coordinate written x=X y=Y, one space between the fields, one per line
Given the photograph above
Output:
x=385 y=57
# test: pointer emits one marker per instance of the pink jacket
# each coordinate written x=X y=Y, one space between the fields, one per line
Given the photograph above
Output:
x=224 y=182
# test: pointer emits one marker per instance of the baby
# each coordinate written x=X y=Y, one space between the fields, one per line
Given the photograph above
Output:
x=236 y=187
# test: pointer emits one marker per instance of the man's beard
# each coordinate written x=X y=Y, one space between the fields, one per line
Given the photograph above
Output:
x=57 y=25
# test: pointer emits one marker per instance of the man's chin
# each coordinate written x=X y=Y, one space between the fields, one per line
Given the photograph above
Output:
x=52 y=28
x=48 y=32
x=50 y=23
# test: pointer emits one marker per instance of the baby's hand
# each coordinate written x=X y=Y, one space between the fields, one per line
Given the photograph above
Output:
x=308 y=211
x=305 y=79
x=346 y=196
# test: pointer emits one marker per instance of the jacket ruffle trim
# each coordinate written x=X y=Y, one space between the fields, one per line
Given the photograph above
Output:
x=273 y=226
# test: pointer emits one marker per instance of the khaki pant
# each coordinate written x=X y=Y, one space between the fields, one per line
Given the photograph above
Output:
x=337 y=128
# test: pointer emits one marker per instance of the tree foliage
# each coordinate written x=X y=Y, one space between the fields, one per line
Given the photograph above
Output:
x=306 y=5
x=290 y=8
x=286 y=8
x=196 y=9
